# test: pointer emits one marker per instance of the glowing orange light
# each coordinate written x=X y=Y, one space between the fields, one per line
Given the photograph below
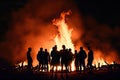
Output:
x=99 y=60
x=22 y=63
x=64 y=38
x=64 y=35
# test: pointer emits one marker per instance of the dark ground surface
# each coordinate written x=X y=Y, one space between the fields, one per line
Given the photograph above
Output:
x=96 y=75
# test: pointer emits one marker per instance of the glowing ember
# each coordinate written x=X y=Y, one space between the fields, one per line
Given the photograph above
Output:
x=22 y=63
x=99 y=62
x=64 y=35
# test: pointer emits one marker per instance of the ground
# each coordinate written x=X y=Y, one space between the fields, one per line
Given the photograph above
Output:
x=35 y=75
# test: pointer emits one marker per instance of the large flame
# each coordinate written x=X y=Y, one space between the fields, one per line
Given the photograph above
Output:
x=64 y=38
x=64 y=35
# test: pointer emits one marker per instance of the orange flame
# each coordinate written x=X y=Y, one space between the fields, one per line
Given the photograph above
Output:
x=64 y=38
x=99 y=60
x=22 y=63
x=64 y=35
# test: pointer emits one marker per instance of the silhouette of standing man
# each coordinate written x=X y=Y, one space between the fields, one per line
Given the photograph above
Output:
x=63 y=58
x=40 y=58
x=29 y=58
x=46 y=58
x=55 y=59
x=76 y=60
x=90 y=59
x=82 y=55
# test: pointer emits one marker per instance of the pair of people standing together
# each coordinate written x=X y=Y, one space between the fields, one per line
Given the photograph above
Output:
x=80 y=59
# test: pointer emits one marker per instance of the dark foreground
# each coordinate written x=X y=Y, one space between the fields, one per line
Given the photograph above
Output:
x=31 y=75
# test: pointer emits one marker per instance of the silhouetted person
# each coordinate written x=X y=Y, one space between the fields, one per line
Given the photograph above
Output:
x=70 y=58
x=46 y=58
x=90 y=59
x=29 y=58
x=82 y=57
x=64 y=59
x=61 y=57
x=76 y=60
x=40 y=57
x=55 y=59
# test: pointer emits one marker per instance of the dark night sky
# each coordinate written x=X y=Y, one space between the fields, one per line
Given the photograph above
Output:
x=103 y=11
x=6 y=7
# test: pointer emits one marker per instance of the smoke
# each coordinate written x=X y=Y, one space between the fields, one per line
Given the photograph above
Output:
x=31 y=26
x=102 y=38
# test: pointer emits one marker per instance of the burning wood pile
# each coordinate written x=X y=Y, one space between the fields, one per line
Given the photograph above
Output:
x=64 y=38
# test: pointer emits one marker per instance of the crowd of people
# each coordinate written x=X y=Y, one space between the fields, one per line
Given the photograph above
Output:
x=62 y=58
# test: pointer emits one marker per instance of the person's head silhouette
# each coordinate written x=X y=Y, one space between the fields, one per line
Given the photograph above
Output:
x=81 y=48
x=63 y=46
x=89 y=48
x=29 y=49
x=41 y=49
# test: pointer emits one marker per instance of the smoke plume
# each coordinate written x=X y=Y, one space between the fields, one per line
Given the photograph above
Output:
x=31 y=26
x=102 y=38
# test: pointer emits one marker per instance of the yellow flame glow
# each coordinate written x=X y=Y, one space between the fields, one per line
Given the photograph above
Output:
x=64 y=38
x=64 y=35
